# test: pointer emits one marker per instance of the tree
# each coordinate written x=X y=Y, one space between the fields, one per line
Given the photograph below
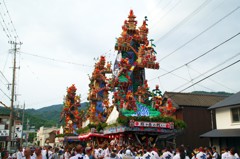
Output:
x=31 y=136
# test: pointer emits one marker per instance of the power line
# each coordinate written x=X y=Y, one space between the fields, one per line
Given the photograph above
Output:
x=6 y=85
x=204 y=4
x=191 y=79
x=159 y=2
x=211 y=75
x=5 y=28
x=199 y=56
x=5 y=64
x=200 y=33
x=166 y=13
x=11 y=21
x=52 y=59
x=219 y=83
x=5 y=94
x=4 y=76
x=186 y=79
x=212 y=68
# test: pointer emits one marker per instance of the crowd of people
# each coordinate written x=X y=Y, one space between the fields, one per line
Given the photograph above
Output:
x=111 y=151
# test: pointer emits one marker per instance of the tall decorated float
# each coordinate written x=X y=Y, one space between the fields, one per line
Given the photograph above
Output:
x=70 y=113
x=134 y=113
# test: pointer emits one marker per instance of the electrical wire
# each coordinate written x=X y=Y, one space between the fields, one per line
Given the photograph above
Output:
x=7 y=86
x=186 y=79
x=4 y=76
x=219 y=83
x=11 y=21
x=159 y=2
x=5 y=64
x=200 y=33
x=5 y=94
x=191 y=79
x=204 y=4
x=5 y=28
x=212 y=68
x=5 y=31
x=52 y=59
x=163 y=16
x=210 y=75
x=205 y=53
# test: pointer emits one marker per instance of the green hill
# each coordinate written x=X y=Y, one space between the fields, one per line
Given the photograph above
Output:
x=49 y=113
x=47 y=116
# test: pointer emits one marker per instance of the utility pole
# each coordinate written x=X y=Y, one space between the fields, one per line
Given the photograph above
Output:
x=21 y=141
x=12 y=93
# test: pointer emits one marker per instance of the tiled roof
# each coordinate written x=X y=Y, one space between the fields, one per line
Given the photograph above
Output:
x=193 y=99
x=222 y=133
x=230 y=101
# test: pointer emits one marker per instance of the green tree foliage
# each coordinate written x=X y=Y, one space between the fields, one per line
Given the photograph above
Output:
x=31 y=137
x=47 y=116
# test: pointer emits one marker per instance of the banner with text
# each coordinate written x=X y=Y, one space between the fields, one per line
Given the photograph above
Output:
x=4 y=132
x=168 y=125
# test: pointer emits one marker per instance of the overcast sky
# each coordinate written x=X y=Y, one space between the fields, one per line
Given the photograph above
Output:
x=61 y=38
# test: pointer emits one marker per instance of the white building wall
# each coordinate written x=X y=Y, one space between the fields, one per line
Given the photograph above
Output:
x=224 y=119
x=43 y=134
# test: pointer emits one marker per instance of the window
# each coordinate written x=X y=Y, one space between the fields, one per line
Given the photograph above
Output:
x=235 y=114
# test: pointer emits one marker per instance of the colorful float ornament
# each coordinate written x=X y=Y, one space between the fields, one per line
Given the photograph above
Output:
x=98 y=91
x=70 y=110
x=167 y=110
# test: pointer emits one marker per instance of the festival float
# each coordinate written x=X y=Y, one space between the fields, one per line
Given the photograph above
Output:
x=135 y=114
x=73 y=120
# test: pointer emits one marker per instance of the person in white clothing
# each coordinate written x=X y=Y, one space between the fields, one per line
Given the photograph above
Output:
x=99 y=153
x=67 y=154
x=180 y=154
x=148 y=154
x=128 y=155
x=38 y=152
x=27 y=153
x=47 y=153
x=107 y=151
x=155 y=154
x=79 y=151
x=89 y=154
x=232 y=154
x=215 y=154
x=19 y=153
x=167 y=153
x=225 y=153
x=201 y=154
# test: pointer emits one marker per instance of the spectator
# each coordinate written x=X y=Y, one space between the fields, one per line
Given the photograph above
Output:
x=4 y=154
x=215 y=154
x=38 y=152
x=180 y=154
x=27 y=153
x=79 y=151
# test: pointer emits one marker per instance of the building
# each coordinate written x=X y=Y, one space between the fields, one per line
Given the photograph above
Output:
x=4 y=130
x=59 y=139
x=193 y=110
x=227 y=117
x=45 y=136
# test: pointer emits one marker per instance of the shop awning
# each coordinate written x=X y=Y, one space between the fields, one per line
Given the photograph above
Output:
x=216 y=133
x=85 y=136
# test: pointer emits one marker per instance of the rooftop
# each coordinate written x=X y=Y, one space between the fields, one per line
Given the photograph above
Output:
x=230 y=101
x=194 y=99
